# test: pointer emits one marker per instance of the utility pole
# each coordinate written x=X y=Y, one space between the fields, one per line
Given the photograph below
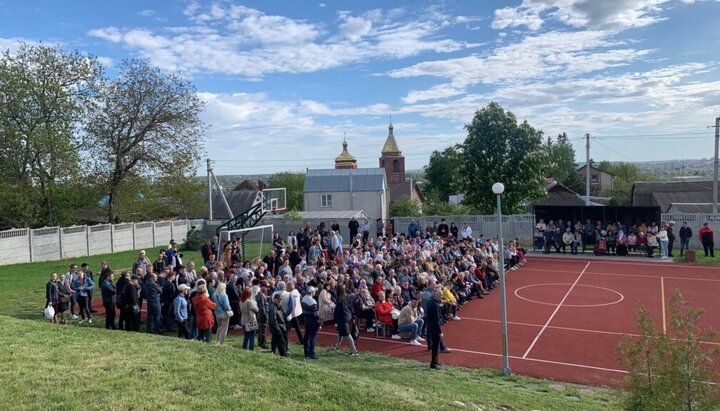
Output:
x=587 y=169
x=715 y=177
x=209 y=178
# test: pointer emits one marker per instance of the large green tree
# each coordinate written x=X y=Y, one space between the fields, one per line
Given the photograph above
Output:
x=624 y=176
x=146 y=123
x=441 y=174
x=294 y=183
x=45 y=95
x=561 y=163
x=499 y=149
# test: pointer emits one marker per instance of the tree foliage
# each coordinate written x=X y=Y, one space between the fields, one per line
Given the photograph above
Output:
x=670 y=371
x=497 y=148
x=405 y=207
x=624 y=176
x=146 y=123
x=441 y=174
x=561 y=163
x=294 y=184
x=45 y=94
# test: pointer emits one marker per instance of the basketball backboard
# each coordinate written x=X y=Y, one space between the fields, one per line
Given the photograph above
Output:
x=273 y=200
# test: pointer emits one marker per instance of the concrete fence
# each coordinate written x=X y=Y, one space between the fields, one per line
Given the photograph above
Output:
x=695 y=222
x=24 y=245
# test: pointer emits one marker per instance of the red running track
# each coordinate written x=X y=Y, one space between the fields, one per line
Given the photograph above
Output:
x=566 y=317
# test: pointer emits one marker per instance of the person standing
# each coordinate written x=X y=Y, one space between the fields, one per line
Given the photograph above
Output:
x=82 y=286
x=108 y=291
x=443 y=230
x=707 y=237
x=262 y=314
x=248 y=310
x=685 y=236
x=167 y=297
x=365 y=228
x=671 y=237
x=51 y=296
x=85 y=268
x=662 y=237
x=311 y=318
x=70 y=278
x=131 y=309
x=152 y=291
x=343 y=315
x=180 y=311
x=203 y=307
x=379 y=228
x=277 y=326
x=353 y=226
x=434 y=327
x=222 y=312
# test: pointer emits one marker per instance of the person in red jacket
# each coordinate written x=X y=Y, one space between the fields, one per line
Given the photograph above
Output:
x=383 y=310
x=377 y=287
x=203 y=306
x=707 y=237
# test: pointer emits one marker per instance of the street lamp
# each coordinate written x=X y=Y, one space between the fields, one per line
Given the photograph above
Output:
x=498 y=189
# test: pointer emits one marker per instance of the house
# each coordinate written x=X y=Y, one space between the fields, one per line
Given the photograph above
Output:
x=674 y=196
x=393 y=162
x=346 y=189
x=600 y=181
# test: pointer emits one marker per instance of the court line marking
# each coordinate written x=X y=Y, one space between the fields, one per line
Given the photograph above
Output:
x=662 y=299
x=490 y=354
x=585 y=330
x=651 y=263
x=619 y=274
x=622 y=297
x=556 y=310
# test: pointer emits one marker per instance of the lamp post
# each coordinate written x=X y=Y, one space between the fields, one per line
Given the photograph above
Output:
x=498 y=189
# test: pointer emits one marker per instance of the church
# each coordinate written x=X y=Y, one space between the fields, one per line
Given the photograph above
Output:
x=349 y=188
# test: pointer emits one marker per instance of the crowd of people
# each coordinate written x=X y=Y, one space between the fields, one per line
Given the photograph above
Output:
x=617 y=238
x=405 y=286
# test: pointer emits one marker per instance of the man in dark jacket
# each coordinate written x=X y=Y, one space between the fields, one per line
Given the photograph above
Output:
x=108 y=298
x=685 y=236
x=262 y=314
x=434 y=327
x=353 y=226
x=167 y=297
x=152 y=291
x=277 y=326
x=671 y=237
x=130 y=305
x=443 y=230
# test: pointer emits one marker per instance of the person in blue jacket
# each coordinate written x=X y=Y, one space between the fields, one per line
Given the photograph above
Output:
x=82 y=286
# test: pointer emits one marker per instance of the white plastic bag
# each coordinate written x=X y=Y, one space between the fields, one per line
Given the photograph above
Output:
x=49 y=312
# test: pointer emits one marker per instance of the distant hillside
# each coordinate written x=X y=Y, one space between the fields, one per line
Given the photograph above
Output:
x=678 y=168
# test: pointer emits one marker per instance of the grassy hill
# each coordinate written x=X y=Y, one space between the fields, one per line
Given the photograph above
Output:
x=47 y=366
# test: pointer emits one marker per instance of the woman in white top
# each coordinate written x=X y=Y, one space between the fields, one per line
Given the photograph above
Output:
x=292 y=240
x=662 y=237
x=296 y=312
x=325 y=303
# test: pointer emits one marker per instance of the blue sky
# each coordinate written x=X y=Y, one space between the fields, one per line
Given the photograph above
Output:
x=285 y=80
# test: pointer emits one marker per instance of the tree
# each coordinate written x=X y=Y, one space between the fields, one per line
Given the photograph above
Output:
x=146 y=123
x=405 y=207
x=561 y=156
x=294 y=184
x=441 y=174
x=670 y=373
x=497 y=148
x=624 y=176
x=45 y=94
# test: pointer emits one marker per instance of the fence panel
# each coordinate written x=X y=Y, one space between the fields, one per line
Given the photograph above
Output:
x=15 y=246
x=143 y=235
x=100 y=240
x=46 y=244
x=695 y=222
x=122 y=237
x=74 y=241
x=179 y=230
x=163 y=233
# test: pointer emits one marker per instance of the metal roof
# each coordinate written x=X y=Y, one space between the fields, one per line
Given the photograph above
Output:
x=345 y=180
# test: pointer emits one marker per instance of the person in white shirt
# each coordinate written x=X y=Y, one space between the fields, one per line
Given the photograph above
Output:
x=466 y=232
x=662 y=237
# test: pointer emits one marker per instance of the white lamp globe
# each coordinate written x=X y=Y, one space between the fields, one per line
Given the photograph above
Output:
x=498 y=188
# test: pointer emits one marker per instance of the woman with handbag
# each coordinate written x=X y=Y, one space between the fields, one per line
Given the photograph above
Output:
x=223 y=312
x=248 y=311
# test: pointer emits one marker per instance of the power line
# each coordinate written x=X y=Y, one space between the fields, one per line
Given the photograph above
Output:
x=616 y=152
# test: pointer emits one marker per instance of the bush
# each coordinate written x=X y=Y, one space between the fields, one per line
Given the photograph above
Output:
x=194 y=240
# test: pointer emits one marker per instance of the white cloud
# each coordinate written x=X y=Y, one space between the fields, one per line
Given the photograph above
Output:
x=605 y=15
x=241 y=40
x=146 y=13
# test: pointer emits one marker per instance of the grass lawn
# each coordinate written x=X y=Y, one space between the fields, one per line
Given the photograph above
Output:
x=699 y=257
x=67 y=367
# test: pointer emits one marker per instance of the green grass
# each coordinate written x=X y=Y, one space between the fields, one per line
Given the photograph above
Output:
x=699 y=257
x=66 y=367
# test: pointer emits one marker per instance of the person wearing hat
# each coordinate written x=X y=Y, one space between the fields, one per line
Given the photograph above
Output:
x=311 y=318
x=262 y=315
x=108 y=298
x=180 y=311
x=277 y=326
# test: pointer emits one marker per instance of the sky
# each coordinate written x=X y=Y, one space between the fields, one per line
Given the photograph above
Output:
x=285 y=81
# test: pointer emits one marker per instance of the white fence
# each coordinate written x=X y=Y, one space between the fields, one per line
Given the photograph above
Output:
x=23 y=245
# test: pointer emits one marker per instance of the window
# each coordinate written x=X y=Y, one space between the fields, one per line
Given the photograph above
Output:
x=594 y=179
x=326 y=200
x=396 y=166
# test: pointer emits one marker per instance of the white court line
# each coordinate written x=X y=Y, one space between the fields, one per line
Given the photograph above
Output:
x=490 y=354
x=666 y=265
x=556 y=310
x=549 y=270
